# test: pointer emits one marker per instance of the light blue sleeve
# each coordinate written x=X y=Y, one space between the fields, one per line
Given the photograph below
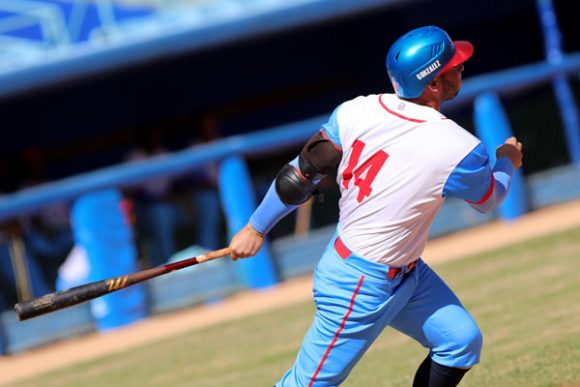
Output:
x=330 y=128
x=471 y=179
x=270 y=211
x=474 y=181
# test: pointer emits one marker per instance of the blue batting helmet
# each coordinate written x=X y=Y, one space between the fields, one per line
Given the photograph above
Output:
x=417 y=57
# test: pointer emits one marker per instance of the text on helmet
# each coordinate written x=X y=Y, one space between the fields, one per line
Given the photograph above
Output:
x=432 y=67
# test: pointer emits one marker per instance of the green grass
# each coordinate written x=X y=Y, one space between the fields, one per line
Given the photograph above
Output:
x=526 y=299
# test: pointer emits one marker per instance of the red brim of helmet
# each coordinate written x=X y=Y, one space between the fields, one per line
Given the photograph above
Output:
x=463 y=51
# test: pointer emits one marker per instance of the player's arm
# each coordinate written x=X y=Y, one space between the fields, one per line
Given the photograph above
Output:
x=482 y=186
x=294 y=184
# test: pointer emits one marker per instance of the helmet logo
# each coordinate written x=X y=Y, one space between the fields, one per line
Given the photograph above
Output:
x=428 y=70
x=396 y=85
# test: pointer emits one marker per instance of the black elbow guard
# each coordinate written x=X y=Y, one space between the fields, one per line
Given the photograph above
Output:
x=292 y=187
x=318 y=158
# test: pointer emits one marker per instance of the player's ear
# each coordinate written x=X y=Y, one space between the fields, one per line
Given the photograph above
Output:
x=435 y=87
x=435 y=84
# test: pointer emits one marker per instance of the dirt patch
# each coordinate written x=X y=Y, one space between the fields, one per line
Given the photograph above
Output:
x=480 y=239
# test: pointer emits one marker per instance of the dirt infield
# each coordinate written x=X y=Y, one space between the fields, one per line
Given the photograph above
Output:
x=490 y=236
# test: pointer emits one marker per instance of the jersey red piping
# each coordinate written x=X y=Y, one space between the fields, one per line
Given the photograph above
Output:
x=332 y=142
x=299 y=172
x=343 y=323
x=397 y=114
x=487 y=194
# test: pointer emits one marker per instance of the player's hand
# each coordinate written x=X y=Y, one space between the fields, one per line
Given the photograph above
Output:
x=246 y=243
x=512 y=149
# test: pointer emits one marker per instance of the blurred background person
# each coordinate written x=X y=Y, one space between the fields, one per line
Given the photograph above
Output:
x=46 y=233
x=174 y=212
x=152 y=200
x=21 y=273
x=202 y=184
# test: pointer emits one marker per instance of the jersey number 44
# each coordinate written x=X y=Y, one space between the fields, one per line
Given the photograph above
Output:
x=364 y=174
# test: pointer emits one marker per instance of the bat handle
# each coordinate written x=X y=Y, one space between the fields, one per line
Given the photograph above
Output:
x=214 y=254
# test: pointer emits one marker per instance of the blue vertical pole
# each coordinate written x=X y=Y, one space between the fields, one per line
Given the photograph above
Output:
x=562 y=89
x=493 y=128
x=238 y=200
x=76 y=19
x=101 y=229
x=106 y=12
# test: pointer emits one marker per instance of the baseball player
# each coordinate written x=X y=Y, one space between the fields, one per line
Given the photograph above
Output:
x=396 y=159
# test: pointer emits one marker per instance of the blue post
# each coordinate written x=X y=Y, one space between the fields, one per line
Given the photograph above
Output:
x=562 y=89
x=106 y=12
x=100 y=228
x=493 y=128
x=76 y=19
x=238 y=200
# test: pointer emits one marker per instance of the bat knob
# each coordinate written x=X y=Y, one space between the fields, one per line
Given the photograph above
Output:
x=18 y=311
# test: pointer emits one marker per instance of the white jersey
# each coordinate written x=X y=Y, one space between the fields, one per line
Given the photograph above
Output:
x=397 y=156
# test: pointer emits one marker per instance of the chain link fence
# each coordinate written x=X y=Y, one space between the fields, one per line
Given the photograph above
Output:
x=536 y=121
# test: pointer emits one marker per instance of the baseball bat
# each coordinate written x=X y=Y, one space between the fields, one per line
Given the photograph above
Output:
x=73 y=296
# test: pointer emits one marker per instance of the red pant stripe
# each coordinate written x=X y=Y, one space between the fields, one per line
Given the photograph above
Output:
x=360 y=281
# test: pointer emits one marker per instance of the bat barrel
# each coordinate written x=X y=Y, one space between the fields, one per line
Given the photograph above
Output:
x=36 y=307
x=59 y=300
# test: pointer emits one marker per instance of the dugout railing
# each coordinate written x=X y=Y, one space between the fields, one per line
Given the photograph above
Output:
x=505 y=83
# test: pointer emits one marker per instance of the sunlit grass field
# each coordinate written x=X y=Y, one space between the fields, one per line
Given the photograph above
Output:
x=526 y=299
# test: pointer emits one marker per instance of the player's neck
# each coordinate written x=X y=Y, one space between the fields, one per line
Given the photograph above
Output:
x=425 y=101
x=434 y=94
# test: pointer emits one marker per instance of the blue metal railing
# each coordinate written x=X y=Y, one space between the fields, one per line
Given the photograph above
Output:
x=32 y=199
x=47 y=18
x=58 y=23
x=509 y=81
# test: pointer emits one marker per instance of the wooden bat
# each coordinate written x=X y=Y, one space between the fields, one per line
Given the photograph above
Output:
x=73 y=296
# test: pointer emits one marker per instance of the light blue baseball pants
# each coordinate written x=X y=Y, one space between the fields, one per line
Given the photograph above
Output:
x=355 y=301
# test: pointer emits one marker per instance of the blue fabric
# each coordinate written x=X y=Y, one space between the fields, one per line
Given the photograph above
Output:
x=471 y=179
x=437 y=320
x=270 y=211
x=503 y=170
x=355 y=301
x=502 y=174
x=331 y=128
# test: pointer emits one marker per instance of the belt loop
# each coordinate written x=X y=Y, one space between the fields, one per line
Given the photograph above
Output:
x=393 y=271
